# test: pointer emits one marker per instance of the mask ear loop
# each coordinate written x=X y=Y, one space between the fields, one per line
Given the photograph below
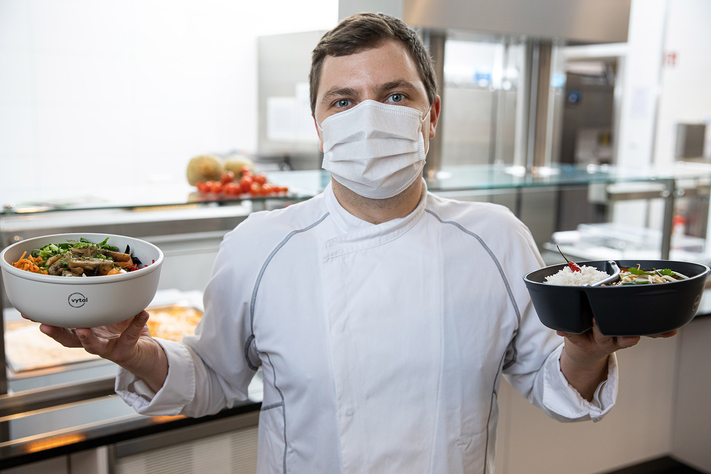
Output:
x=426 y=115
x=421 y=122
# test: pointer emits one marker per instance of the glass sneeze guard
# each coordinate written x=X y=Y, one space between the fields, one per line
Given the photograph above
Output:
x=305 y=184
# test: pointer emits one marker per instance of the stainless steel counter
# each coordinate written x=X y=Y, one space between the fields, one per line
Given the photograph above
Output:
x=62 y=429
x=107 y=421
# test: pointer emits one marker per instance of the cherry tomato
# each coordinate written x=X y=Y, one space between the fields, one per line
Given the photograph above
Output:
x=215 y=187
x=267 y=188
x=255 y=189
x=260 y=178
x=227 y=177
x=231 y=189
x=246 y=179
x=202 y=187
x=246 y=183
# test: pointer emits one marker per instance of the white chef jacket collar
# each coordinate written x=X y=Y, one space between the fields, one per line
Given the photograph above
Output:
x=362 y=233
x=346 y=221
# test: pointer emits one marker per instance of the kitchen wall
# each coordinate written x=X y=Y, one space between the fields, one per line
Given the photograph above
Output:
x=127 y=92
x=666 y=72
x=685 y=74
x=641 y=73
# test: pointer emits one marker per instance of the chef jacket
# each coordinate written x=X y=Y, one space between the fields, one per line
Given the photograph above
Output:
x=382 y=346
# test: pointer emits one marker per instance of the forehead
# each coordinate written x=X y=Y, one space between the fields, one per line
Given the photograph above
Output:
x=386 y=62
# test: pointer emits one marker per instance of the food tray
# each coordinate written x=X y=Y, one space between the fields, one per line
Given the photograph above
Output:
x=27 y=349
x=172 y=322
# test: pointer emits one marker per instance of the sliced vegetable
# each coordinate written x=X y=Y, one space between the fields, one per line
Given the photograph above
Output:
x=29 y=264
x=637 y=276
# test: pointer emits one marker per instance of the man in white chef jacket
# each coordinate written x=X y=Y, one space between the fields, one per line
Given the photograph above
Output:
x=382 y=316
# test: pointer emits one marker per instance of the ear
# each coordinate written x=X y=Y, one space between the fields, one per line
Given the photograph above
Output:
x=434 y=115
x=320 y=137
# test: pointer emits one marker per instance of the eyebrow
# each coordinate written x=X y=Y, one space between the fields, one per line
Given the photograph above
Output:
x=350 y=92
x=397 y=84
x=339 y=92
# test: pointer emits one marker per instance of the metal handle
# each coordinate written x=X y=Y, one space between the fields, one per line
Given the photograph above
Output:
x=614 y=277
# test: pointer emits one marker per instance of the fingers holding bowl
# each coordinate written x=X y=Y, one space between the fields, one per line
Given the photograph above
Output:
x=592 y=343
x=28 y=318
x=665 y=334
x=92 y=342
x=131 y=335
x=64 y=336
x=113 y=342
x=577 y=339
x=613 y=343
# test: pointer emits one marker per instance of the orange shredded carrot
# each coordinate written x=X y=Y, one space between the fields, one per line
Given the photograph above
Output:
x=29 y=264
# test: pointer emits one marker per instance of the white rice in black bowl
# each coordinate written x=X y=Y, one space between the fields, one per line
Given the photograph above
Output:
x=567 y=277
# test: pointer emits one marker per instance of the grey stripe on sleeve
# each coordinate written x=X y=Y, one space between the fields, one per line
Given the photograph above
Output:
x=501 y=273
x=273 y=405
x=269 y=259
x=251 y=339
x=494 y=396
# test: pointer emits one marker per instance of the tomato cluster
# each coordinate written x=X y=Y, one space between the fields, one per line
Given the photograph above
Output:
x=249 y=183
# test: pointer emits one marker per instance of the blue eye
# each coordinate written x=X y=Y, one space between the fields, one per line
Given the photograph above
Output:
x=343 y=103
x=396 y=97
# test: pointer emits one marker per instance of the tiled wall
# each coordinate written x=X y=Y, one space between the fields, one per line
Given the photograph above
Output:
x=129 y=91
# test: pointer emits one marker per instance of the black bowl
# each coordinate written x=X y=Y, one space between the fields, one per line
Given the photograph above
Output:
x=635 y=310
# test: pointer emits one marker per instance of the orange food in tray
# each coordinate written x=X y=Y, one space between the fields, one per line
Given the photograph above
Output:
x=26 y=348
x=173 y=322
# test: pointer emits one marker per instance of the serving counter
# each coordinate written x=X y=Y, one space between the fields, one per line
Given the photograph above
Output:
x=67 y=410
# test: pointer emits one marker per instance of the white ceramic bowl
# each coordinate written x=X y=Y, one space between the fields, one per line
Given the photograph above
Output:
x=81 y=301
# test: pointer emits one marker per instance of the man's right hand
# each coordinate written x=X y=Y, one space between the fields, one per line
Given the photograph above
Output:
x=128 y=344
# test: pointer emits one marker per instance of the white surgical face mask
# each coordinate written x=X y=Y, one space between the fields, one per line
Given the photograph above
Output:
x=376 y=150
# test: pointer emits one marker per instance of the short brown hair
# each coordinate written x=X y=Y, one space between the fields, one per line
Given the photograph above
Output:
x=368 y=30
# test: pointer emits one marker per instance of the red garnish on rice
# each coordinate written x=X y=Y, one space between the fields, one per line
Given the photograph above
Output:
x=573 y=266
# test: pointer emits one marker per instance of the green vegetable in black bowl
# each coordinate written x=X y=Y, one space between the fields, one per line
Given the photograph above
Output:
x=637 y=276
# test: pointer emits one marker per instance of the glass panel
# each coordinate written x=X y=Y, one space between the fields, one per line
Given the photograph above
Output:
x=480 y=90
x=642 y=187
x=135 y=197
